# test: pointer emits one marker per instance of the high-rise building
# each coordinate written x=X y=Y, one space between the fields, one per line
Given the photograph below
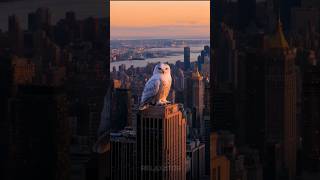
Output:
x=117 y=109
x=179 y=86
x=16 y=37
x=247 y=12
x=280 y=90
x=120 y=108
x=226 y=57
x=187 y=64
x=5 y=94
x=196 y=153
x=224 y=110
x=252 y=96
x=123 y=155
x=91 y=29
x=39 y=133
x=219 y=164
x=161 y=143
x=311 y=116
x=39 y=20
x=198 y=99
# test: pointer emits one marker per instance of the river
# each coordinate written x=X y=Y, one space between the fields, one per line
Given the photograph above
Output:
x=195 y=52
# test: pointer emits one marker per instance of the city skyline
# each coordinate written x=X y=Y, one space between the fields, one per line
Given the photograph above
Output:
x=241 y=106
x=174 y=19
x=83 y=9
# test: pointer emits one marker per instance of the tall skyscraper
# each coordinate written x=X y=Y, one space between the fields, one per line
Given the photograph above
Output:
x=161 y=143
x=280 y=90
x=219 y=164
x=196 y=153
x=179 y=86
x=40 y=135
x=5 y=94
x=194 y=99
x=39 y=20
x=120 y=108
x=226 y=57
x=311 y=116
x=252 y=93
x=247 y=12
x=224 y=110
x=123 y=155
x=186 y=58
x=198 y=99
x=16 y=37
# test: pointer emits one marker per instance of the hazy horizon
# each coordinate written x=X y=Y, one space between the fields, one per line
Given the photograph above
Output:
x=160 y=19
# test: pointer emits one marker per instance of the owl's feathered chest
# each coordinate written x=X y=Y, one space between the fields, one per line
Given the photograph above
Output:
x=165 y=86
x=156 y=89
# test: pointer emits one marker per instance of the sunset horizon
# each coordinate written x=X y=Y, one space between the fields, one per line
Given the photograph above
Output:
x=159 y=19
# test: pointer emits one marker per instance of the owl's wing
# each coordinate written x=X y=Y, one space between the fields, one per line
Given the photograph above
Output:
x=150 y=90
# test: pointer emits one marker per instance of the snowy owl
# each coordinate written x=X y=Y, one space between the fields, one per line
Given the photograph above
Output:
x=157 y=88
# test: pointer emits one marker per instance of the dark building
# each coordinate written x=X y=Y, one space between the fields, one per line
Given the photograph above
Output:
x=286 y=7
x=39 y=20
x=310 y=119
x=187 y=64
x=123 y=155
x=196 y=153
x=247 y=12
x=224 y=110
x=16 y=36
x=226 y=57
x=5 y=93
x=39 y=134
x=272 y=162
x=252 y=99
x=280 y=103
x=120 y=109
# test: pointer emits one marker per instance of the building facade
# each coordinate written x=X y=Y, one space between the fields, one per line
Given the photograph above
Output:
x=161 y=143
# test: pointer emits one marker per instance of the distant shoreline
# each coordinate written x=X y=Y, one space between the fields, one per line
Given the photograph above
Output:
x=160 y=38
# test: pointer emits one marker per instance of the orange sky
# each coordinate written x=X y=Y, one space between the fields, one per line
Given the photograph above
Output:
x=159 y=18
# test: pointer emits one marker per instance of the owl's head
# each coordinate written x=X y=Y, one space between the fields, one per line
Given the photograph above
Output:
x=162 y=68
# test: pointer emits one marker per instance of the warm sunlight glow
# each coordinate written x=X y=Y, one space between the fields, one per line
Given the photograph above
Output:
x=159 y=18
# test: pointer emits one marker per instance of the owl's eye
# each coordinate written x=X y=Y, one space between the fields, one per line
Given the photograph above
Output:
x=166 y=68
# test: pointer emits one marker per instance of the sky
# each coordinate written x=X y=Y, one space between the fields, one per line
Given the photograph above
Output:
x=159 y=19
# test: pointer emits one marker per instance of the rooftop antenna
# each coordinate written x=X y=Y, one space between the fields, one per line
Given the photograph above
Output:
x=279 y=24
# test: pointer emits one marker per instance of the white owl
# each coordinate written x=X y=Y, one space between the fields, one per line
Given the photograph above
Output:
x=157 y=88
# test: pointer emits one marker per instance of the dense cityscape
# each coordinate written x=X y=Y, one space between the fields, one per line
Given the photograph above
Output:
x=243 y=106
x=53 y=82
x=265 y=89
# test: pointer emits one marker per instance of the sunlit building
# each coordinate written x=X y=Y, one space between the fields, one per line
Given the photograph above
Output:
x=161 y=143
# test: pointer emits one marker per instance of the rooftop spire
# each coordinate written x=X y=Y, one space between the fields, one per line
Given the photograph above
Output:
x=196 y=74
x=278 y=40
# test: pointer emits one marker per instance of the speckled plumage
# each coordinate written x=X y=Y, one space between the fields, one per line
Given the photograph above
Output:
x=157 y=87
